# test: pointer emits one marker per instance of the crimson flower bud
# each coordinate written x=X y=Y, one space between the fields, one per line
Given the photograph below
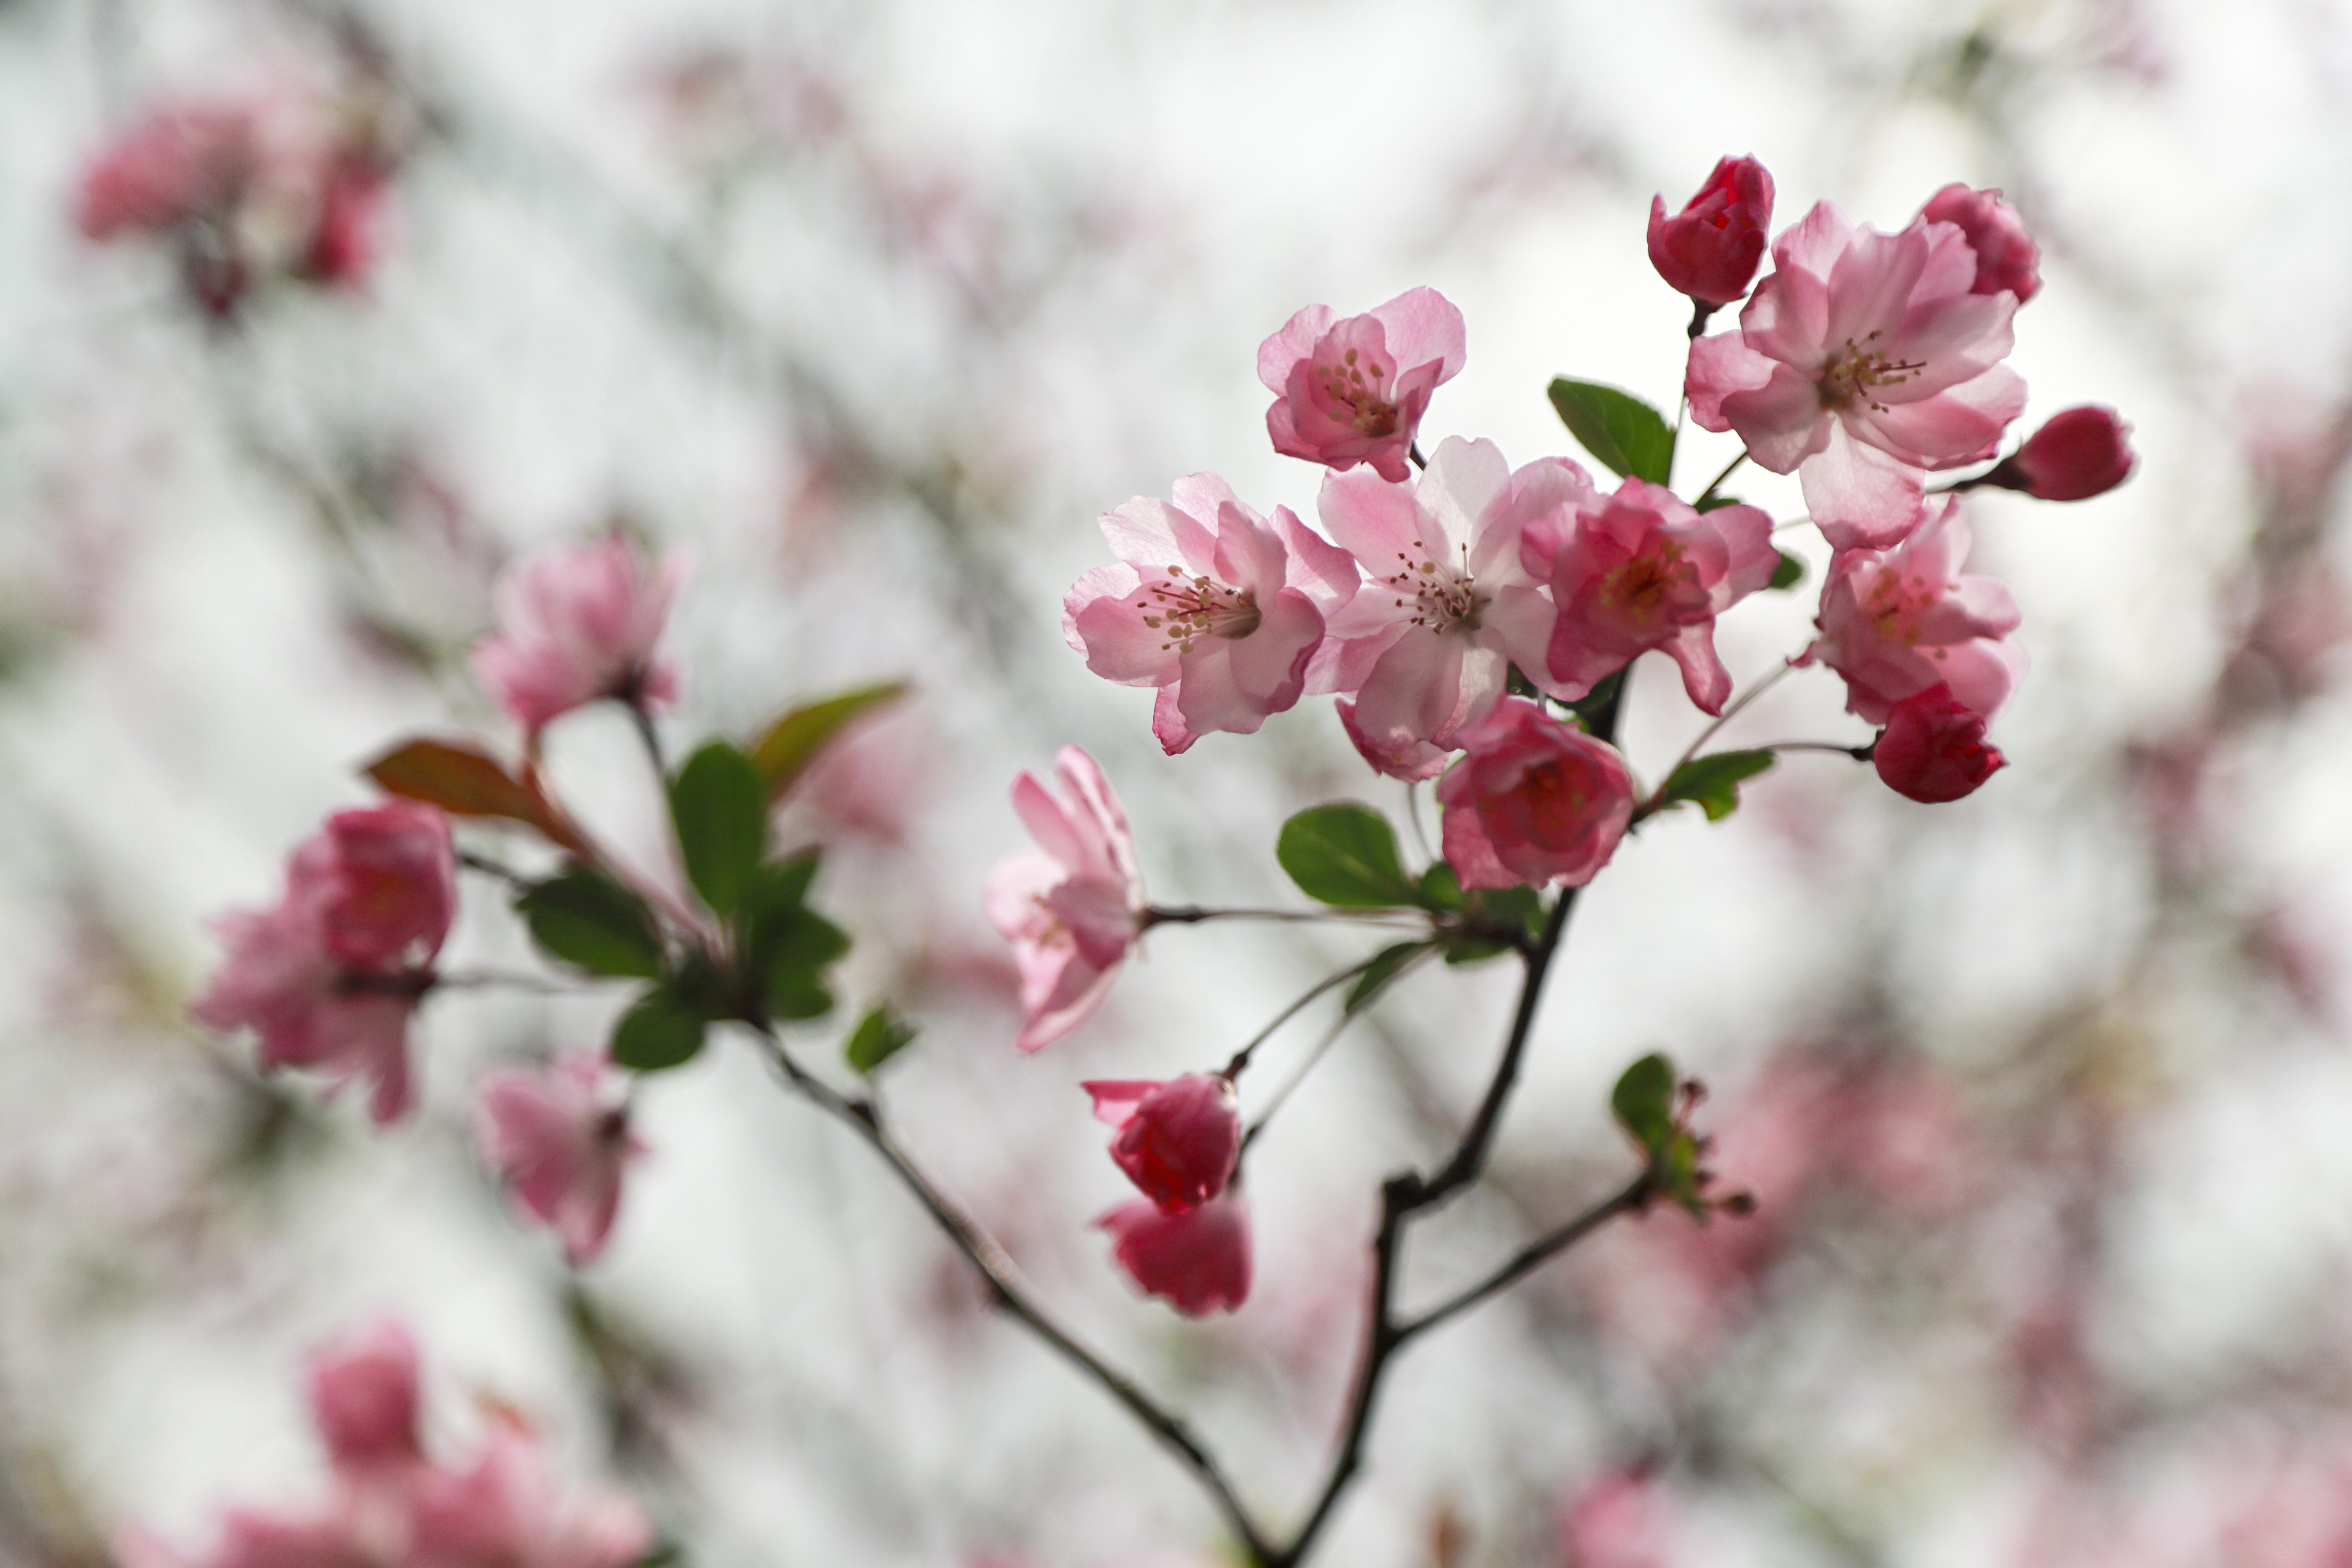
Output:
x=1178 y=1141
x=2007 y=258
x=2079 y=454
x=1933 y=749
x=362 y=1392
x=1195 y=1259
x=1710 y=249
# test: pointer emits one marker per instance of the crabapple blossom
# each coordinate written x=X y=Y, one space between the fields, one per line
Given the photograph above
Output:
x=575 y=624
x=1710 y=249
x=328 y=978
x=1534 y=800
x=1641 y=570
x=1353 y=391
x=559 y=1136
x=1617 y=1520
x=2077 y=454
x=1178 y=1141
x=1448 y=604
x=1217 y=607
x=506 y=1512
x=2007 y=257
x=1862 y=362
x=363 y=1389
x=1197 y=1259
x=1933 y=749
x=1071 y=907
x=1895 y=623
x=177 y=165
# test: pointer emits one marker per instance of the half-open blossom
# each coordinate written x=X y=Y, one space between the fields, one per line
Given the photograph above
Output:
x=328 y=978
x=1862 y=362
x=575 y=624
x=1353 y=391
x=1534 y=800
x=1895 y=623
x=1641 y=570
x=363 y=1401
x=2077 y=454
x=1178 y=1141
x=1933 y=749
x=1710 y=249
x=1448 y=604
x=2007 y=258
x=1071 y=907
x=559 y=1136
x=1196 y=1259
x=1217 y=607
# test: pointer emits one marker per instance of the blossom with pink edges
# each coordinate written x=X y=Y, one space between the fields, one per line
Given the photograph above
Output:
x=328 y=978
x=1862 y=362
x=1933 y=749
x=2077 y=454
x=1178 y=1141
x=2007 y=258
x=1218 y=608
x=1072 y=907
x=1710 y=249
x=1641 y=570
x=1448 y=604
x=1534 y=800
x=1353 y=391
x=363 y=1398
x=1895 y=623
x=558 y=1135
x=1196 y=1259
x=576 y=623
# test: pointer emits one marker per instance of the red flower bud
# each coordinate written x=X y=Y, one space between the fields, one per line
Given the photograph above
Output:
x=2079 y=454
x=1933 y=749
x=1178 y=1141
x=1711 y=248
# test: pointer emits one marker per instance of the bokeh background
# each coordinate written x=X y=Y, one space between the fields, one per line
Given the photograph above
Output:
x=873 y=306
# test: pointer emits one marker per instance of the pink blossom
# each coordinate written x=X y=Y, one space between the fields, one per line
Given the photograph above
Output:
x=1178 y=1141
x=1615 y=1520
x=1863 y=361
x=559 y=1136
x=1535 y=801
x=1933 y=749
x=2077 y=454
x=1641 y=570
x=177 y=165
x=576 y=623
x=1197 y=1259
x=346 y=230
x=2007 y=258
x=1710 y=249
x=250 y=1538
x=1448 y=605
x=363 y=1398
x=1219 y=609
x=506 y=1512
x=1072 y=908
x=328 y=978
x=1354 y=390
x=1895 y=623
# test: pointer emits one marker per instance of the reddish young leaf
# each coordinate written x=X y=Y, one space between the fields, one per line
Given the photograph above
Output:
x=465 y=781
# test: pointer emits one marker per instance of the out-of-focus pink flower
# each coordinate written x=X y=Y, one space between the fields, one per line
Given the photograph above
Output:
x=2078 y=454
x=1897 y=621
x=328 y=978
x=1178 y=1141
x=506 y=1512
x=1072 y=908
x=2007 y=258
x=346 y=230
x=1210 y=603
x=178 y=165
x=1615 y=1522
x=578 y=623
x=1534 y=801
x=1863 y=361
x=1710 y=249
x=1933 y=748
x=1353 y=391
x=1197 y=1259
x=1448 y=604
x=364 y=1399
x=1641 y=570
x=559 y=1136
x=251 y=1539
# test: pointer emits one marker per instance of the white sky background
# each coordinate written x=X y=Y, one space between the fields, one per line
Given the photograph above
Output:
x=193 y=700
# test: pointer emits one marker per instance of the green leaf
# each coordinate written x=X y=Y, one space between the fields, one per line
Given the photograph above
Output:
x=465 y=781
x=1384 y=967
x=1345 y=854
x=1790 y=573
x=773 y=891
x=658 y=1031
x=786 y=748
x=718 y=804
x=593 y=924
x=1601 y=701
x=879 y=1035
x=1714 y=502
x=1713 y=781
x=795 y=949
x=1619 y=430
x=1441 y=890
x=1643 y=1103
